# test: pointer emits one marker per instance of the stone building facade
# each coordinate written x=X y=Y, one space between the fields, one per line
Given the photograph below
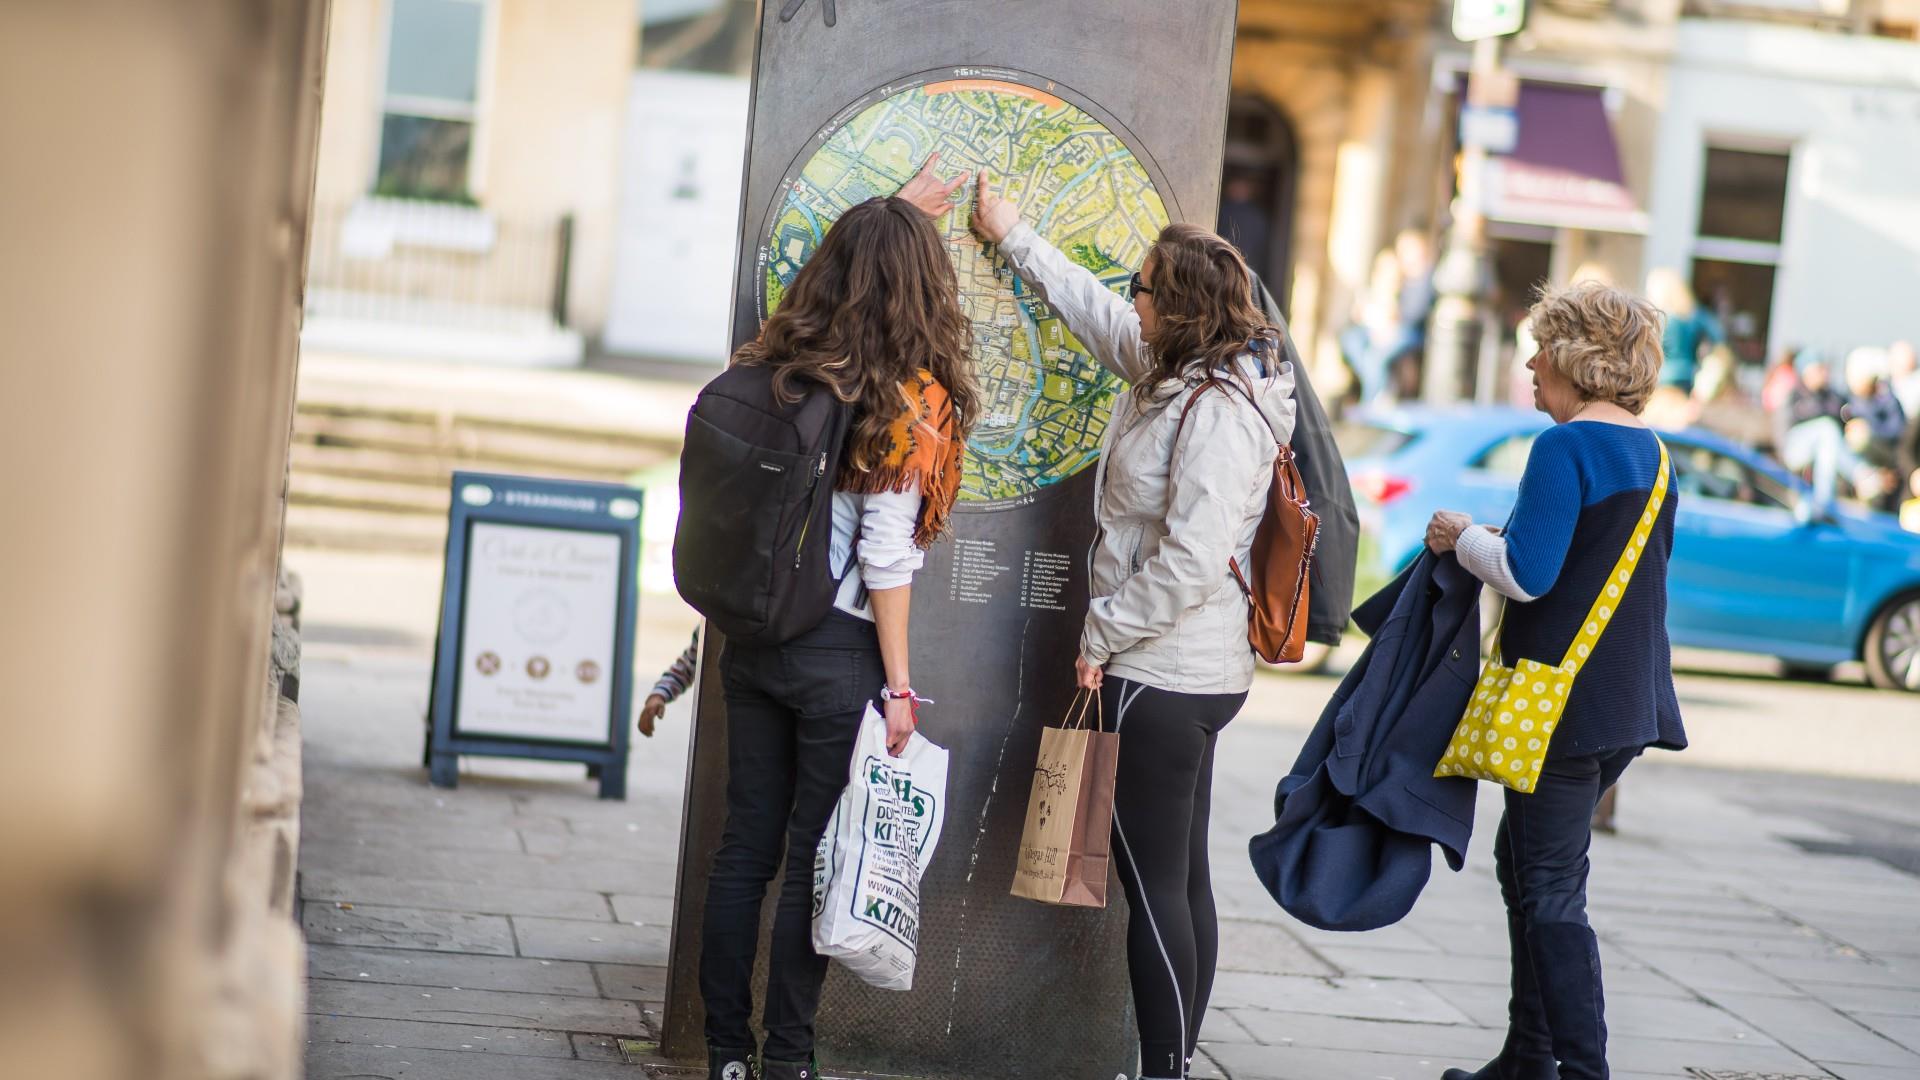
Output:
x=149 y=312
x=1683 y=100
x=1348 y=81
x=469 y=178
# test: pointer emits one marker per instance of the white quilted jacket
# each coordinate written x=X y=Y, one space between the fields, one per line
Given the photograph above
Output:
x=1166 y=611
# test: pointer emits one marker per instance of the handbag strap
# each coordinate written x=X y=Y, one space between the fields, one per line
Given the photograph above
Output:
x=1188 y=408
x=1604 y=605
x=1285 y=454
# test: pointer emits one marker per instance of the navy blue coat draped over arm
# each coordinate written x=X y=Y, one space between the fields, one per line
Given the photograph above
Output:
x=1361 y=807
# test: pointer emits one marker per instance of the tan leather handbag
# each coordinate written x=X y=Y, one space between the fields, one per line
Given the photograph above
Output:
x=1282 y=554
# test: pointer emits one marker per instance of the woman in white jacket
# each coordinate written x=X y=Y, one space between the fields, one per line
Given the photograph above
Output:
x=1181 y=487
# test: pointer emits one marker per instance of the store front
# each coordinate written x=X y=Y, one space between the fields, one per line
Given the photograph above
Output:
x=1784 y=180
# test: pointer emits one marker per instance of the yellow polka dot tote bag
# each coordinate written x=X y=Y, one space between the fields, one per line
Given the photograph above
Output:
x=1503 y=736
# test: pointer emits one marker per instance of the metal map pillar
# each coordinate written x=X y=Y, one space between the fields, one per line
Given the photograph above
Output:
x=1105 y=119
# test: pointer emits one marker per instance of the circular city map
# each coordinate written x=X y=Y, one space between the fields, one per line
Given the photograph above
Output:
x=1046 y=401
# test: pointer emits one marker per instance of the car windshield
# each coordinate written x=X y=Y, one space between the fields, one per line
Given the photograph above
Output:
x=1508 y=457
x=1709 y=474
x=1365 y=439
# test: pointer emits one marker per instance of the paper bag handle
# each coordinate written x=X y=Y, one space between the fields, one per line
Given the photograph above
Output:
x=1081 y=698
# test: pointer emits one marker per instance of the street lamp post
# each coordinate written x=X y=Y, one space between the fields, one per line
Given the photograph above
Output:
x=1463 y=275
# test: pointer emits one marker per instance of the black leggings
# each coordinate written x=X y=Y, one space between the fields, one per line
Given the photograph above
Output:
x=1161 y=801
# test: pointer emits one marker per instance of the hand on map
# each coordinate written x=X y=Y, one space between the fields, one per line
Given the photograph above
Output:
x=932 y=195
x=993 y=216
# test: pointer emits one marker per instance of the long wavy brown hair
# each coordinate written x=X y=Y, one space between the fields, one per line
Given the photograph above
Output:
x=876 y=302
x=1205 y=313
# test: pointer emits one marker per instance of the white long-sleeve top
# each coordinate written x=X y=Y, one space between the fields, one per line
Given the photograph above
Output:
x=888 y=556
x=1484 y=553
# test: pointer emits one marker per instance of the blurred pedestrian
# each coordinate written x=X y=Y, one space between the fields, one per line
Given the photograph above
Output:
x=1903 y=375
x=1781 y=381
x=1373 y=338
x=1689 y=327
x=1246 y=222
x=1812 y=433
x=1910 y=510
x=1582 y=497
x=672 y=683
x=1719 y=404
x=1905 y=382
x=1413 y=251
x=1875 y=420
x=1875 y=428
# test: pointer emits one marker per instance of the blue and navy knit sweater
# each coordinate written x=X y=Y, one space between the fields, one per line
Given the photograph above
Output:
x=1585 y=487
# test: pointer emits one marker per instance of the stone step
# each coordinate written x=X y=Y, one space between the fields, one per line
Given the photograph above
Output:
x=428 y=470
x=375 y=442
x=349 y=529
x=468 y=441
x=355 y=493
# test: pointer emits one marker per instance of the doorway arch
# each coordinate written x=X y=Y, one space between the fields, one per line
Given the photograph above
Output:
x=1259 y=176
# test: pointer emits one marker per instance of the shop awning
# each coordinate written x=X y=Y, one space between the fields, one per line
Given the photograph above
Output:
x=1564 y=171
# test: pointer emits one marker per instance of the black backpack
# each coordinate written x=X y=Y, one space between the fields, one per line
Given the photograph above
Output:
x=756 y=506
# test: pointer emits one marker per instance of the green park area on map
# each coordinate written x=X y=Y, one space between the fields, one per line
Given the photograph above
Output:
x=1046 y=401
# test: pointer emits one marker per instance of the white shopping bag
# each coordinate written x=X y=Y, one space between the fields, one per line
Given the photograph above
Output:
x=866 y=875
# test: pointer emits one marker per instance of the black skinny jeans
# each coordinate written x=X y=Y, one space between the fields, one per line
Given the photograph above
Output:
x=1557 y=1007
x=793 y=714
x=1162 y=800
x=1540 y=852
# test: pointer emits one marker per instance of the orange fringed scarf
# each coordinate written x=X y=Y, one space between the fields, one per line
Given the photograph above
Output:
x=920 y=447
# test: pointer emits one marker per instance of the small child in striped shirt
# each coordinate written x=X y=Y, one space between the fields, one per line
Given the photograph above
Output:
x=673 y=682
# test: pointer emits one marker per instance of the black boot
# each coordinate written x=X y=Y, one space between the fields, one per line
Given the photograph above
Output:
x=730 y=1064
x=1528 y=1052
x=1566 y=956
x=775 y=1069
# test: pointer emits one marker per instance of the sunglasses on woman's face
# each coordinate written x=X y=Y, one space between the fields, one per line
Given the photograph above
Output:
x=1135 y=287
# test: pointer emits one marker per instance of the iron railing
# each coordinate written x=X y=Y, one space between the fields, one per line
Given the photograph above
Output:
x=435 y=264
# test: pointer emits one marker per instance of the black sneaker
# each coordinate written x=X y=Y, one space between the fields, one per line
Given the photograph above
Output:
x=775 y=1069
x=730 y=1064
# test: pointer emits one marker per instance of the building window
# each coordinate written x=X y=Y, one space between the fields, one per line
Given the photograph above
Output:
x=428 y=112
x=1736 y=255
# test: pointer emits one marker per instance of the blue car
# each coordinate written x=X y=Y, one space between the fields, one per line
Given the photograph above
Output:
x=1756 y=567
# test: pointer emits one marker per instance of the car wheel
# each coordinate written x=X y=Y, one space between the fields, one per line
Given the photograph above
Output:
x=1893 y=645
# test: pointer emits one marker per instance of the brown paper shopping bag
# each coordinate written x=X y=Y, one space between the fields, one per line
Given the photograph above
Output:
x=1066 y=844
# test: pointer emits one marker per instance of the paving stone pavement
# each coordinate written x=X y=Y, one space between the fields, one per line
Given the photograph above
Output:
x=517 y=927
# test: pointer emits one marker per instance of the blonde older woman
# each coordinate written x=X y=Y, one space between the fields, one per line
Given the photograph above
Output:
x=1586 y=486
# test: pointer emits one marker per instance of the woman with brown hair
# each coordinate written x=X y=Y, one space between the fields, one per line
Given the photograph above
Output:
x=1181 y=487
x=874 y=317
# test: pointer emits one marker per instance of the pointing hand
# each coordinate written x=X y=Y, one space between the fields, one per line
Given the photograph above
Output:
x=928 y=192
x=993 y=216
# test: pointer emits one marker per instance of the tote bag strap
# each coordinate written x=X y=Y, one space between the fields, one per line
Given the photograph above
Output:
x=1604 y=605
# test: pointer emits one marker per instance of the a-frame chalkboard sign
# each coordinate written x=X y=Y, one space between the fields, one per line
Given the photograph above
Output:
x=534 y=657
